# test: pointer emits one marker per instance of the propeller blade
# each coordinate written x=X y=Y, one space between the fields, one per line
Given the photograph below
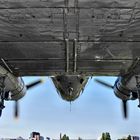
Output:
x=125 y=108
x=0 y=112
x=16 y=109
x=33 y=84
x=104 y=83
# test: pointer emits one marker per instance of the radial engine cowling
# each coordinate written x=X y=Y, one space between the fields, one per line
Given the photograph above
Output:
x=120 y=90
x=14 y=86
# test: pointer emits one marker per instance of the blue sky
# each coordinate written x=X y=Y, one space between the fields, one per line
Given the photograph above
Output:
x=96 y=111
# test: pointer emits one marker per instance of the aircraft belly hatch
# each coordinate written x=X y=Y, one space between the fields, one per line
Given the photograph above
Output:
x=70 y=87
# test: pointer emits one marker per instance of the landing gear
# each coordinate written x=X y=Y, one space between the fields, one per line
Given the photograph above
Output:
x=2 y=94
x=1 y=108
x=138 y=89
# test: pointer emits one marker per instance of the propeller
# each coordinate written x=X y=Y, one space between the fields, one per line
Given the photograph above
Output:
x=16 y=112
x=104 y=83
x=29 y=86
x=124 y=102
x=125 y=108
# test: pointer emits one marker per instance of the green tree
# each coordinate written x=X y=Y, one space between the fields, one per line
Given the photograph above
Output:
x=79 y=138
x=129 y=137
x=105 y=136
x=108 y=136
x=65 y=137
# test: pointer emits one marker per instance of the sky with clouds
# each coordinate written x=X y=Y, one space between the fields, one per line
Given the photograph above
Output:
x=97 y=110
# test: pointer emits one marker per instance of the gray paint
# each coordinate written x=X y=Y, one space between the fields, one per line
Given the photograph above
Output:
x=33 y=33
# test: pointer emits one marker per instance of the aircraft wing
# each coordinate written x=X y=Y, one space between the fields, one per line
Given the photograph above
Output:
x=51 y=37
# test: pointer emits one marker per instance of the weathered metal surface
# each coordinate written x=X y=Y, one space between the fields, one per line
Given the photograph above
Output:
x=33 y=34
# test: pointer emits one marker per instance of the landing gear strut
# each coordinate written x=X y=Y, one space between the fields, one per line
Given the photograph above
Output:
x=2 y=94
x=138 y=89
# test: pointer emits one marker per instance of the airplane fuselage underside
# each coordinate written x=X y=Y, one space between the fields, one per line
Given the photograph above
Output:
x=69 y=37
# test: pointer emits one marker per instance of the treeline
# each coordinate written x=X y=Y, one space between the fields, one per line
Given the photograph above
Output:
x=105 y=136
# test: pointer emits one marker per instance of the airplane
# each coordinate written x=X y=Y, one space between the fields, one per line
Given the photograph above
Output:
x=71 y=41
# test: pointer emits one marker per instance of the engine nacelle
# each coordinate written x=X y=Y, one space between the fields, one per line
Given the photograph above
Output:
x=120 y=90
x=19 y=91
x=15 y=88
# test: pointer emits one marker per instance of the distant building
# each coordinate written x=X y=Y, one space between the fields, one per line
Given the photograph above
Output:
x=36 y=136
x=19 y=138
x=8 y=139
x=135 y=138
x=48 y=138
x=41 y=138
